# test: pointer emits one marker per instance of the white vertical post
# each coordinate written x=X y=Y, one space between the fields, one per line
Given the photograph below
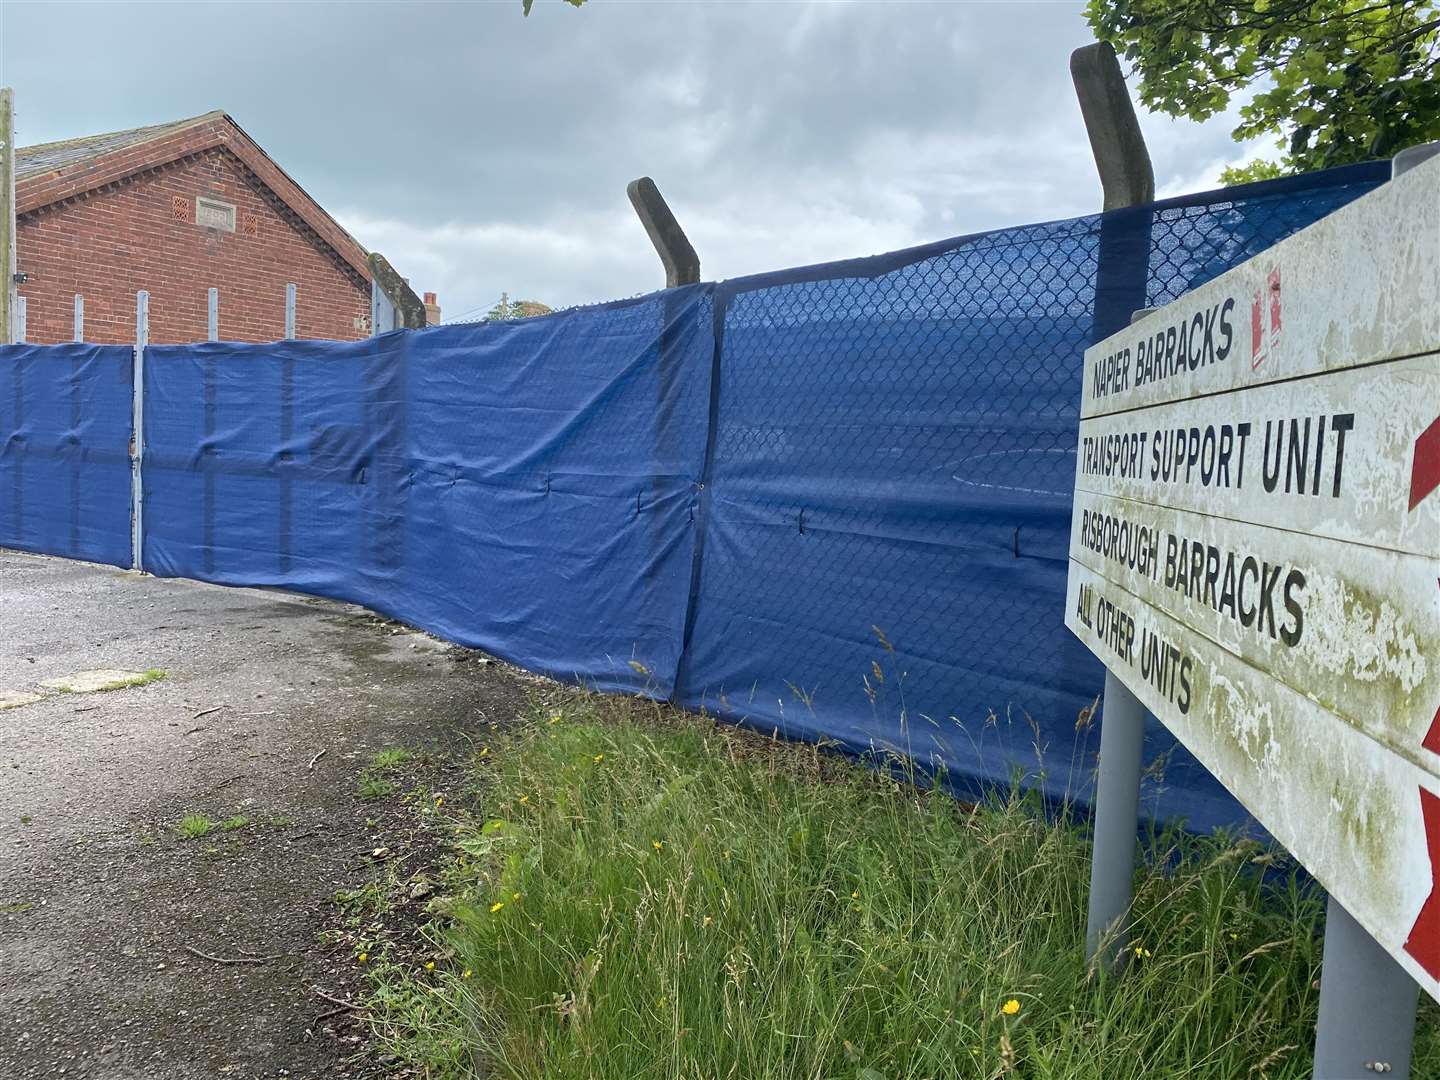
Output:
x=137 y=438
x=290 y=310
x=79 y=317
x=8 y=295
x=20 y=320
x=1117 y=819
x=212 y=319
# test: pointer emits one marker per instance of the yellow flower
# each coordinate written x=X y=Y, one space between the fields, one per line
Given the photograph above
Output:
x=430 y=965
x=855 y=895
x=363 y=957
x=1010 y=1008
x=439 y=801
x=515 y=896
x=484 y=752
x=1143 y=953
x=524 y=800
x=708 y=921
x=467 y=973
x=657 y=844
x=496 y=906
x=598 y=758
x=554 y=718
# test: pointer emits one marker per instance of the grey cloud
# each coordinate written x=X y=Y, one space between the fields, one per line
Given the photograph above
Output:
x=483 y=151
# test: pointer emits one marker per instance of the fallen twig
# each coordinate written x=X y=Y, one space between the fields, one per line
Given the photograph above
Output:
x=229 y=960
x=316 y=758
x=207 y=712
x=193 y=730
x=336 y=1001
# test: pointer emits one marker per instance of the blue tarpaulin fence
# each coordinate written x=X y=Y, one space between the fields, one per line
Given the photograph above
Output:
x=833 y=501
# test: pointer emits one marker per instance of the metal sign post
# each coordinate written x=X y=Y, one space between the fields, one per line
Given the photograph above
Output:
x=1254 y=555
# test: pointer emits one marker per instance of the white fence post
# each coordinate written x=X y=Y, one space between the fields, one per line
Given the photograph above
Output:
x=212 y=323
x=137 y=438
x=290 y=310
x=20 y=320
x=79 y=318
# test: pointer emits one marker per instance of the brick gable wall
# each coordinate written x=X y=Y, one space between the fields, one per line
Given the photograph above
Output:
x=141 y=234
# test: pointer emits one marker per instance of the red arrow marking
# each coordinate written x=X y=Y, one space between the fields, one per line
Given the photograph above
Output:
x=1425 y=467
x=1424 y=940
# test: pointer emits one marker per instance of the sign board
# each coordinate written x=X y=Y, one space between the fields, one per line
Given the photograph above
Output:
x=1255 y=548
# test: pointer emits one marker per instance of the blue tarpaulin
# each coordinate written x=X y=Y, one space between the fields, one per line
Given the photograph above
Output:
x=831 y=501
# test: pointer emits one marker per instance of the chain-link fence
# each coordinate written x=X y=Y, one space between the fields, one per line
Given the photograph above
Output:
x=832 y=501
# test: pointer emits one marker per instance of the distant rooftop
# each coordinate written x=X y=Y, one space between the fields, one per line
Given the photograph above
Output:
x=47 y=157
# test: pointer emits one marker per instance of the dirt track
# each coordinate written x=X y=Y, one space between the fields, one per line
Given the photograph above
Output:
x=99 y=896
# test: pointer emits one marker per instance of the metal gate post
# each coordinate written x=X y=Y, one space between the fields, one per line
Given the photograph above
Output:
x=1367 y=1005
x=137 y=437
x=1117 y=817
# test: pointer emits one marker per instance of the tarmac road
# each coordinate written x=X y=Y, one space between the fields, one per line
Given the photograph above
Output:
x=99 y=896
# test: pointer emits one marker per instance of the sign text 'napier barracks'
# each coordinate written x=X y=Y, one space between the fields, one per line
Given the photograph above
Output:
x=1255 y=550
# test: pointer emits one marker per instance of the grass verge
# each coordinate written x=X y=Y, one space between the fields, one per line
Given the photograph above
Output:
x=646 y=895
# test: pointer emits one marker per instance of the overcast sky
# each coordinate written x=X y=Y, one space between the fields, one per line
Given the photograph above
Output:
x=482 y=151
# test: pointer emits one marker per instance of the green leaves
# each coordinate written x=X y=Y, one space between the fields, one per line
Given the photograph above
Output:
x=525 y=4
x=1338 y=80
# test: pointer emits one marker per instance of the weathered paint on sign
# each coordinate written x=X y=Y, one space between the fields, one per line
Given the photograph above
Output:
x=1255 y=550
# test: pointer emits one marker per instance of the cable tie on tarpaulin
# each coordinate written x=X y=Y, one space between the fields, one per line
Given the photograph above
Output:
x=801 y=521
x=1015 y=542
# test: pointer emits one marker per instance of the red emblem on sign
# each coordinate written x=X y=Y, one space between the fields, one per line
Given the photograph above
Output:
x=1265 y=319
x=1424 y=940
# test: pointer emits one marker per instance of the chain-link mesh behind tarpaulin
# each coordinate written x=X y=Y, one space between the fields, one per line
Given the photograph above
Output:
x=887 y=510
x=746 y=494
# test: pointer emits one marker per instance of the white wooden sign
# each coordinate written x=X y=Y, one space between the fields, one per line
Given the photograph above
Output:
x=1255 y=549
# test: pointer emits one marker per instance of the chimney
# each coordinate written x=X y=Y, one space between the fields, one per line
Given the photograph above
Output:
x=432 y=310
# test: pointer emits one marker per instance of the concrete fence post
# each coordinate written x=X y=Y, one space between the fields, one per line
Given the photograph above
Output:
x=79 y=318
x=290 y=311
x=212 y=315
x=682 y=265
x=20 y=328
x=1126 y=175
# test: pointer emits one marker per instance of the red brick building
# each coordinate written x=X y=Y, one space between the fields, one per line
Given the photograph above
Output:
x=177 y=209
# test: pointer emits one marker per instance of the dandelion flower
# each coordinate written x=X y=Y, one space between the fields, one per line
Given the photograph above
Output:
x=1011 y=1007
x=467 y=973
x=439 y=801
x=515 y=896
x=657 y=844
x=524 y=800
x=855 y=895
x=363 y=957
x=598 y=758
x=496 y=906
x=430 y=965
x=484 y=752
